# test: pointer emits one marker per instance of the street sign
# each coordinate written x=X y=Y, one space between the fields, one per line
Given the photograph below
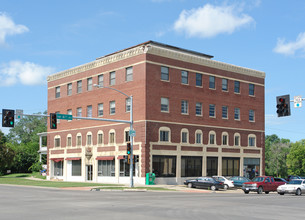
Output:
x=19 y=113
x=64 y=116
x=297 y=101
x=132 y=133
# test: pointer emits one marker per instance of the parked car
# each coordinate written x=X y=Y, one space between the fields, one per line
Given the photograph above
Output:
x=261 y=184
x=291 y=177
x=295 y=186
x=278 y=179
x=239 y=180
x=204 y=182
x=227 y=183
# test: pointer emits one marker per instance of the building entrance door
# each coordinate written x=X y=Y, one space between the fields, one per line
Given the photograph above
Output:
x=212 y=166
x=89 y=172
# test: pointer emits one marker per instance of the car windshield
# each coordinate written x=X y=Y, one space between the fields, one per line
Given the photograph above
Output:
x=258 y=179
x=297 y=182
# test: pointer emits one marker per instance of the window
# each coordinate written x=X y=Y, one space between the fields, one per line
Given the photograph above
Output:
x=57 y=92
x=230 y=166
x=89 y=111
x=198 y=79
x=237 y=140
x=225 y=139
x=89 y=139
x=184 y=137
x=100 y=80
x=112 y=107
x=79 y=112
x=100 y=109
x=212 y=138
x=79 y=86
x=112 y=78
x=236 y=113
x=69 y=89
x=69 y=141
x=184 y=77
x=79 y=140
x=106 y=168
x=164 y=135
x=225 y=112
x=212 y=82
x=251 y=115
x=164 y=105
x=236 y=86
x=57 y=142
x=69 y=112
x=164 y=166
x=191 y=166
x=164 y=73
x=76 y=167
x=125 y=167
x=111 y=137
x=89 y=84
x=58 y=168
x=251 y=141
x=184 y=107
x=198 y=109
x=198 y=137
x=100 y=138
x=128 y=104
x=251 y=89
x=129 y=73
x=127 y=137
x=224 y=85
x=212 y=111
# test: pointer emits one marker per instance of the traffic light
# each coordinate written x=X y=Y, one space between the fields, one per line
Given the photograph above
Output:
x=53 y=121
x=128 y=148
x=8 y=118
x=283 y=105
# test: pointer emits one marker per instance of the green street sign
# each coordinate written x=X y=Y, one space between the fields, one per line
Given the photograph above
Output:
x=64 y=116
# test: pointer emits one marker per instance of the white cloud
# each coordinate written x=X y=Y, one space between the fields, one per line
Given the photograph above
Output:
x=290 y=48
x=8 y=27
x=209 y=20
x=26 y=73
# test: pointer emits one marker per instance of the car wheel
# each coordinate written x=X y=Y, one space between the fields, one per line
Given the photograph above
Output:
x=267 y=192
x=298 y=192
x=281 y=194
x=225 y=187
x=260 y=190
x=246 y=192
x=190 y=185
x=213 y=188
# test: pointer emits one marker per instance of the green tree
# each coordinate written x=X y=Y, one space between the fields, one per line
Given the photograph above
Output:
x=296 y=158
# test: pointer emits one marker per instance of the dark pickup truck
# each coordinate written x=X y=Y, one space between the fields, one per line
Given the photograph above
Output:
x=261 y=184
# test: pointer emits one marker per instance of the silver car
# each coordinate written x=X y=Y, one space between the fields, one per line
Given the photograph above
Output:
x=296 y=186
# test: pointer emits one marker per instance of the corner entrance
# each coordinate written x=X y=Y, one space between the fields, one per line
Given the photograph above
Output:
x=89 y=172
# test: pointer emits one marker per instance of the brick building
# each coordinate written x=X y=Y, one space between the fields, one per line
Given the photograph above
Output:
x=193 y=116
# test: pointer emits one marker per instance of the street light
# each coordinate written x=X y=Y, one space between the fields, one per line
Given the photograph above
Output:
x=131 y=129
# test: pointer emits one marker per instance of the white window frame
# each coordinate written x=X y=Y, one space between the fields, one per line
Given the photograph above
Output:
x=164 y=104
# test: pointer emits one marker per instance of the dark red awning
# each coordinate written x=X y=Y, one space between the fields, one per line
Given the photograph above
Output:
x=105 y=158
x=56 y=160
x=73 y=158
x=121 y=157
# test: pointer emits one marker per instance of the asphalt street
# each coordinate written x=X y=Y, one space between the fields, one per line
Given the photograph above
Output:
x=18 y=202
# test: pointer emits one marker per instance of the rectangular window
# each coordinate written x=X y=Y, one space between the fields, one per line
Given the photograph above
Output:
x=129 y=74
x=224 y=139
x=184 y=137
x=127 y=137
x=198 y=109
x=191 y=166
x=57 y=142
x=111 y=138
x=125 y=167
x=164 y=136
x=79 y=112
x=198 y=79
x=100 y=80
x=76 y=167
x=212 y=110
x=164 y=73
x=112 y=107
x=89 y=84
x=89 y=111
x=79 y=140
x=212 y=82
x=236 y=86
x=164 y=105
x=251 y=89
x=184 y=77
x=89 y=139
x=106 y=168
x=236 y=113
x=58 y=168
x=251 y=115
x=225 y=112
x=112 y=78
x=164 y=166
x=224 y=85
x=198 y=138
x=236 y=140
x=128 y=104
x=69 y=141
x=230 y=166
x=100 y=109
x=212 y=138
x=69 y=89
x=69 y=112
x=79 y=86
x=57 y=92
x=252 y=141
x=184 y=107
x=100 y=138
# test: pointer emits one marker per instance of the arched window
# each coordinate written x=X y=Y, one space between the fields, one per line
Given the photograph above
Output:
x=198 y=137
x=212 y=137
x=69 y=140
x=164 y=134
x=237 y=140
x=225 y=138
x=112 y=136
x=100 y=137
x=79 y=140
x=251 y=140
x=184 y=135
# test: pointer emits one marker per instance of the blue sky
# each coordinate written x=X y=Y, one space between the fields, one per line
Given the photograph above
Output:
x=38 y=38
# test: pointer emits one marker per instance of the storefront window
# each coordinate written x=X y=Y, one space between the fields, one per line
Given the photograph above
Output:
x=125 y=167
x=191 y=166
x=58 y=168
x=76 y=167
x=164 y=166
x=251 y=167
x=212 y=166
x=106 y=168
x=230 y=166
